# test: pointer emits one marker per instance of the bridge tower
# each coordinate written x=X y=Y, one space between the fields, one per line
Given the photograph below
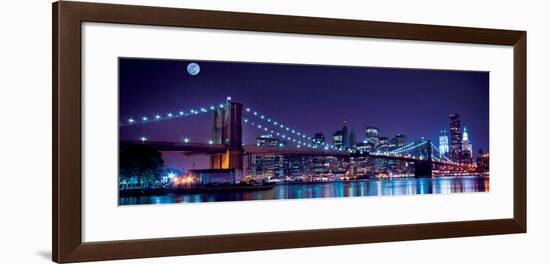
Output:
x=227 y=130
x=423 y=168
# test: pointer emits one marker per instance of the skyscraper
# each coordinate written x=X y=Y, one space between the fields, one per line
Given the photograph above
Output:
x=397 y=141
x=371 y=135
x=352 y=140
x=400 y=140
x=338 y=139
x=345 y=135
x=466 y=147
x=443 y=143
x=456 y=138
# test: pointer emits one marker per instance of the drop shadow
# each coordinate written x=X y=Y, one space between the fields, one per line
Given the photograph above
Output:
x=45 y=254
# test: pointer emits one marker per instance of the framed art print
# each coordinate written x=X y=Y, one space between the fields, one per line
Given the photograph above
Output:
x=182 y=131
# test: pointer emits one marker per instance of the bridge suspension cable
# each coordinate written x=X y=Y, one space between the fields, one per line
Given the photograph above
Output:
x=143 y=119
x=408 y=147
x=401 y=149
x=269 y=125
x=439 y=154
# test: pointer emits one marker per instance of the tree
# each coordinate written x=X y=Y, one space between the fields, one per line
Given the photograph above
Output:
x=142 y=162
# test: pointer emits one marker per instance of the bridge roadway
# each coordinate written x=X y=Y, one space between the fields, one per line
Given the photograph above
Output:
x=293 y=151
x=205 y=148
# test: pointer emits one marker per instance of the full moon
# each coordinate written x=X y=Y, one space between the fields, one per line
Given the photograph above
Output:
x=193 y=68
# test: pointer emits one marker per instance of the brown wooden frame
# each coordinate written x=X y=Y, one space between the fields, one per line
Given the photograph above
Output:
x=66 y=194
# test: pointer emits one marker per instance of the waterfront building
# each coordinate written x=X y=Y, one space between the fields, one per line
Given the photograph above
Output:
x=335 y=164
x=267 y=166
x=277 y=166
x=456 y=137
x=215 y=176
x=371 y=135
x=403 y=167
x=380 y=165
x=319 y=165
x=295 y=166
x=443 y=143
x=482 y=161
x=364 y=166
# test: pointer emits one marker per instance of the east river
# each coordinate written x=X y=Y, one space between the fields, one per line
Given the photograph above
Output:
x=373 y=187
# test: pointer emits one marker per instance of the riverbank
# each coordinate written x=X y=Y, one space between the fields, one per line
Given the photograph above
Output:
x=197 y=189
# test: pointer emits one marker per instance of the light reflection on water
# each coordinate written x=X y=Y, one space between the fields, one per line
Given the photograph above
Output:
x=407 y=186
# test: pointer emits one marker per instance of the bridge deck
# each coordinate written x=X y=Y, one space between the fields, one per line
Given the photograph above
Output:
x=205 y=148
x=179 y=146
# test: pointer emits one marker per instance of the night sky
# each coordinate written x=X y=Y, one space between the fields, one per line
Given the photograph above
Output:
x=309 y=98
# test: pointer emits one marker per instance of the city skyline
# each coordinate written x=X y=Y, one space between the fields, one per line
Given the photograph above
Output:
x=311 y=98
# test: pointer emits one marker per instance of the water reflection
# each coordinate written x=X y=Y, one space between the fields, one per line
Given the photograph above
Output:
x=408 y=186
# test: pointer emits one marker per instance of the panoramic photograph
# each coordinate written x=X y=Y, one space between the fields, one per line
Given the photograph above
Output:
x=193 y=131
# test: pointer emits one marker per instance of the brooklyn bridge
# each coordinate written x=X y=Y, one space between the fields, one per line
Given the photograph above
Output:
x=227 y=151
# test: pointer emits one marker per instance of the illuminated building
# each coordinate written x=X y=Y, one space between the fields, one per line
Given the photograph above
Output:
x=482 y=161
x=466 y=147
x=365 y=147
x=319 y=164
x=318 y=140
x=294 y=166
x=270 y=141
x=456 y=138
x=383 y=144
x=443 y=143
x=276 y=166
x=371 y=135
x=400 y=140
x=338 y=139
x=267 y=166
x=214 y=176
x=380 y=165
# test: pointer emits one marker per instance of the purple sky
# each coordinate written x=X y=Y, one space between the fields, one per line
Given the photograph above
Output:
x=309 y=98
